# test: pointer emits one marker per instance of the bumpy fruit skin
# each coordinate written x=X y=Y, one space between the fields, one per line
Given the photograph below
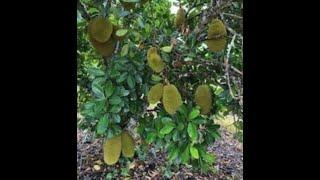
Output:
x=155 y=93
x=203 y=99
x=180 y=17
x=171 y=99
x=150 y=51
x=112 y=150
x=154 y=60
x=216 y=45
x=105 y=49
x=127 y=143
x=100 y=29
x=216 y=29
x=217 y=33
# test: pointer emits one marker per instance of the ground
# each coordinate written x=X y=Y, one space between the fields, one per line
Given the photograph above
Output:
x=228 y=151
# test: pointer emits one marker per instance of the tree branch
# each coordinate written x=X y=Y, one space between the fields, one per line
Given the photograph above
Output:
x=227 y=65
x=232 y=15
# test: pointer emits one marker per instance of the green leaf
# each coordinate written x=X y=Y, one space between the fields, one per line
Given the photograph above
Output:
x=122 y=77
x=114 y=100
x=156 y=78
x=199 y=120
x=193 y=114
x=157 y=125
x=167 y=128
x=102 y=125
x=151 y=136
x=180 y=126
x=167 y=49
x=166 y=120
x=173 y=153
x=125 y=50
x=138 y=78
x=115 y=109
x=192 y=132
x=183 y=110
x=121 y=32
x=209 y=158
x=218 y=90
x=194 y=152
x=131 y=82
x=175 y=136
x=215 y=134
x=185 y=156
x=187 y=59
x=109 y=89
x=117 y=118
x=97 y=88
x=96 y=72
x=99 y=106
x=124 y=92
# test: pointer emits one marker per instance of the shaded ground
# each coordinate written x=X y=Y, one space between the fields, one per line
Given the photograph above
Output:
x=228 y=164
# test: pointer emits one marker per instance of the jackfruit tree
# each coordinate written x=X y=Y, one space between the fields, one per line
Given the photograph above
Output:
x=158 y=74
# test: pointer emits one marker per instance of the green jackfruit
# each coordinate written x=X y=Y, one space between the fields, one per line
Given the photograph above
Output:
x=216 y=45
x=155 y=93
x=217 y=33
x=156 y=63
x=100 y=29
x=112 y=150
x=180 y=17
x=106 y=49
x=171 y=99
x=216 y=29
x=154 y=60
x=203 y=98
x=127 y=143
x=151 y=51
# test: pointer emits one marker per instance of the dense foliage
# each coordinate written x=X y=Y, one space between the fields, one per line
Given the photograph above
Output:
x=112 y=92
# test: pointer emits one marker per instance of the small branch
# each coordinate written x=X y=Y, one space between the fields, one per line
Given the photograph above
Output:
x=236 y=70
x=233 y=32
x=117 y=47
x=232 y=15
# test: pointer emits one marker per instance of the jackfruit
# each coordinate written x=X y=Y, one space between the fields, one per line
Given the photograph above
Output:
x=105 y=49
x=203 y=99
x=216 y=45
x=100 y=29
x=151 y=51
x=112 y=150
x=127 y=143
x=155 y=93
x=216 y=36
x=180 y=17
x=171 y=99
x=155 y=62
x=128 y=5
x=216 y=29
